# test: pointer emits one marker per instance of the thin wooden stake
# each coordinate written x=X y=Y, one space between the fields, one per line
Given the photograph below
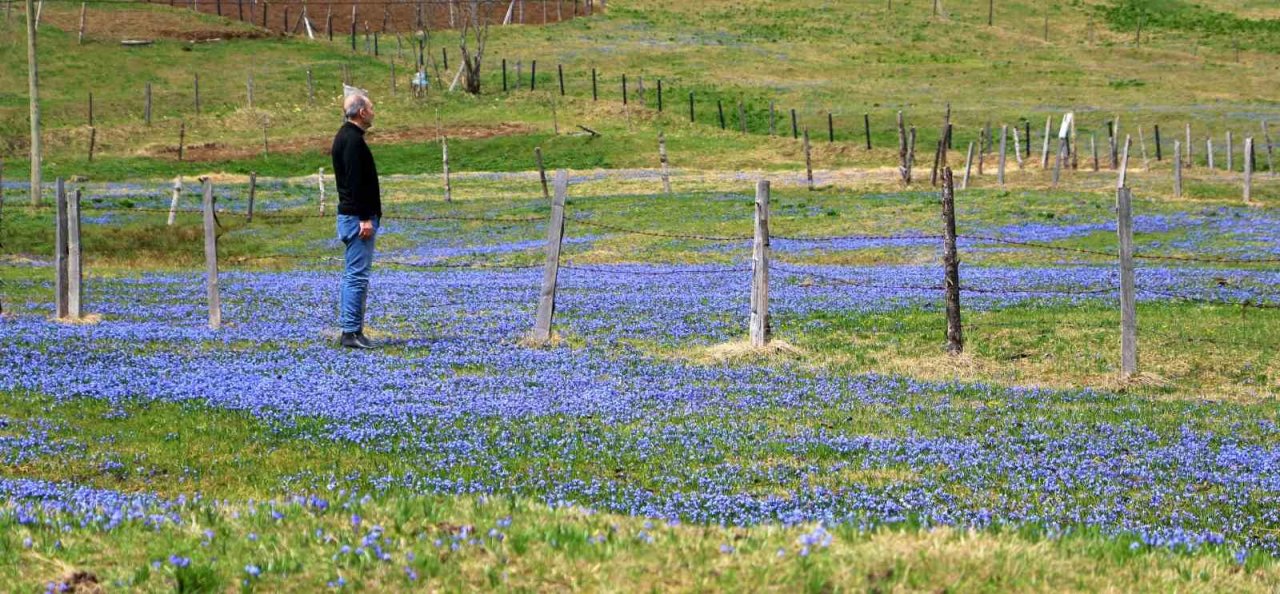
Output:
x=951 y=261
x=80 y=37
x=93 y=140
x=904 y=170
x=662 y=157
x=253 y=190
x=1128 y=296
x=866 y=127
x=808 y=160
x=1044 y=154
x=1208 y=151
x=555 y=237
x=758 y=325
x=320 y=182
x=1248 y=169
x=211 y=257
x=1159 y=154
x=1004 y=135
x=1093 y=147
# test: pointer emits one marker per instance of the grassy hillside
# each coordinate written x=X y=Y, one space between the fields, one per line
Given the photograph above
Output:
x=846 y=59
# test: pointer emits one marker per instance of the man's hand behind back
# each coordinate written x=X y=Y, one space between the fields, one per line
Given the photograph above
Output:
x=366 y=229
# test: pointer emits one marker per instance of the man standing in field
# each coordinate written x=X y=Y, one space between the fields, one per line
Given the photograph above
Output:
x=359 y=212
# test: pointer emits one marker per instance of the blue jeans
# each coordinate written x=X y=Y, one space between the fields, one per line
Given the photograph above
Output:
x=355 y=278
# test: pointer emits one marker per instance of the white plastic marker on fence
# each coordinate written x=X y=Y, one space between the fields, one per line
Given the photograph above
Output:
x=758 y=325
x=555 y=236
x=1248 y=170
x=1128 y=305
x=662 y=157
x=75 y=266
x=808 y=160
x=211 y=256
x=1064 y=132
x=320 y=182
x=1177 y=169
x=60 y=250
x=173 y=203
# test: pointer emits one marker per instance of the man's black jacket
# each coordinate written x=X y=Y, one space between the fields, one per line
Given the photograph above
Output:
x=358 y=191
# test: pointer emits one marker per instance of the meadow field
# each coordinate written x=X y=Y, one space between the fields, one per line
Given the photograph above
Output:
x=649 y=447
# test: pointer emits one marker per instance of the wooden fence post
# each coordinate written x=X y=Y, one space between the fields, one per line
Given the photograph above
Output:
x=555 y=237
x=866 y=127
x=1231 y=165
x=904 y=170
x=982 y=149
x=659 y=95
x=1044 y=153
x=542 y=174
x=1177 y=169
x=80 y=37
x=662 y=157
x=808 y=160
x=1248 y=169
x=253 y=190
x=955 y=332
x=831 y=128
x=560 y=71
x=720 y=111
x=448 y=184
x=968 y=163
x=1123 y=178
x=1266 y=137
x=1159 y=153
x=1128 y=306
x=795 y=130
x=173 y=203
x=320 y=182
x=1093 y=147
x=182 y=139
x=75 y=265
x=595 y=92
x=1208 y=151
x=624 y=89
x=1017 y=148
x=691 y=120
x=60 y=251
x=1004 y=136
x=211 y=256
x=759 y=328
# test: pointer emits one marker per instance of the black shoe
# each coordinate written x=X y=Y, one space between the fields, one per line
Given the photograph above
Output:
x=365 y=342
x=352 y=340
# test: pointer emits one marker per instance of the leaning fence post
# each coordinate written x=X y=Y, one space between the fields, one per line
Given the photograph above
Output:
x=75 y=268
x=211 y=256
x=1128 y=307
x=320 y=182
x=662 y=157
x=1124 y=163
x=542 y=173
x=1248 y=169
x=555 y=236
x=60 y=251
x=968 y=163
x=951 y=261
x=1177 y=169
x=1044 y=152
x=173 y=203
x=759 y=328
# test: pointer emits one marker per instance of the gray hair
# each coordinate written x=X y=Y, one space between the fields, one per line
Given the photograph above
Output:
x=355 y=103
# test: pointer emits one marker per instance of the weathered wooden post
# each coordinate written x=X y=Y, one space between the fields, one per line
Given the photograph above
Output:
x=720 y=111
x=173 y=203
x=662 y=157
x=659 y=95
x=624 y=89
x=1177 y=169
x=504 y=77
x=555 y=237
x=1248 y=169
x=1123 y=177
x=211 y=256
x=1044 y=153
x=904 y=170
x=80 y=37
x=951 y=261
x=808 y=160
x=968 y=163
x=759 y=327
x=560 y=72
x=1017 y=148
x=1208 y=150
x=1004 y=136
x=866 y=127
x=448 y=184
x=60 y=250
x=75 y=264
x=691 y=120
x=253 y=190
x=542 y=174
x=1231 y=166
x=831 y=128
x=1093 y=148
x=182 y=139
x=1128 y=297
x=1159 y=153
x=795 y=129
x=320 y=182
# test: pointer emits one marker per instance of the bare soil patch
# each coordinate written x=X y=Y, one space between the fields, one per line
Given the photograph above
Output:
x=147 y=24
